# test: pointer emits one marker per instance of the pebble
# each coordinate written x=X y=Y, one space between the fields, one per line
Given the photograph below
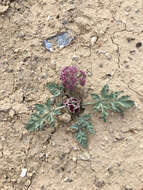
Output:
x=66 y=118
x=3 y=9
x=53 y=65
x=23 y=172
x=128 y=9
x=118 y=136
x=94 y=40
x=128 y=187
x=74 y=159
x=130 y=39
x=110 y=170
x=100 y=183
x=66 y=179
x=89 y=74
x=21 y=34
x=85 y=156
x=132 y=52
x=138 y=45
x=43 y=76
x=108 y=56
x=75 y=58
x=53 y=143
x=30 y=174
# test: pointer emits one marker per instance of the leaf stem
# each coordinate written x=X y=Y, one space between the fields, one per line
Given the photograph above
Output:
x=58 y=108
x=89 y=103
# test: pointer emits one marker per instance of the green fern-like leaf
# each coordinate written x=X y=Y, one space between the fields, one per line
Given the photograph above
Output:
x=82 y=127
x=81 y=138
x=55 y=89
x=44 y=114
x=110 y=101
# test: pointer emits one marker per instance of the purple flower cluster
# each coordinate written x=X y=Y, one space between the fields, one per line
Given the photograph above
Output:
x=71 y=76
x=72 y=104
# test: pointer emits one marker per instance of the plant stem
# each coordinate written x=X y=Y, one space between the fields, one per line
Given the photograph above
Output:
x=60 y=107
x=89 y=103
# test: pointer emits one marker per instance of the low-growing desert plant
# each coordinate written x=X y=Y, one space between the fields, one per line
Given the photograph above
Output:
x=67 y=97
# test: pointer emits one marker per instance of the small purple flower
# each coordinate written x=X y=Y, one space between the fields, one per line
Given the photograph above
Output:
x=71 y=77
x=72 y=104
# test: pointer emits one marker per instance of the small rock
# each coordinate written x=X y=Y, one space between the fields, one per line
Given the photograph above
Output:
x=118 y=136
x=132 y=52
x=66 y=179
x=43 y=76
x=108 y=75
x=128 y=9
x=110 y=170
x=21 y=34
x=74 y=159
x=128 y=187
x=62 y=156
x=130 y=39
x=53 y=65
x=108 y=56
x=3 y=9
x=138 y=45
x=66 y=118
x=30 y=174
x=85 y=156
x=89 y=74
x=100 y=183
x=23 y=172
x=94 y=40
x=75 y=58
x=53 y=143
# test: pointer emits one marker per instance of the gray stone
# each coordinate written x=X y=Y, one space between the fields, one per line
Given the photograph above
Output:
x=85 y=156
x=21 y=34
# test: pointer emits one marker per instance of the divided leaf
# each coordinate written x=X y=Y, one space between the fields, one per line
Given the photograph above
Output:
x=83 y=126
x=44 y=114
x=110 y=101
x=81 y=138
x=55 y=89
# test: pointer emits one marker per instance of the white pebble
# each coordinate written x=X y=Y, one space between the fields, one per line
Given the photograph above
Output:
x=93 y=40
x=23 y=172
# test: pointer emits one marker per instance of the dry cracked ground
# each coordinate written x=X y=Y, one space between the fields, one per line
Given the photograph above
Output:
x=114 y=158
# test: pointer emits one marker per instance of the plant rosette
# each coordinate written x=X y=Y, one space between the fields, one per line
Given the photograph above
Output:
x=104 y=103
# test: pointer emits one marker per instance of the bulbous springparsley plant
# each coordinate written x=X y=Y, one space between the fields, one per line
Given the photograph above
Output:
x=71 y=79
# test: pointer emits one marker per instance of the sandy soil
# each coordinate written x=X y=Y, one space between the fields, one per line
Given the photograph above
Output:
x=114 y=159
